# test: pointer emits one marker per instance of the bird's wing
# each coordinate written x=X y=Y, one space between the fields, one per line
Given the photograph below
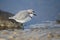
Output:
x=21 y=15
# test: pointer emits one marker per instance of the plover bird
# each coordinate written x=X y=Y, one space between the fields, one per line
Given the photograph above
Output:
x=23 y=16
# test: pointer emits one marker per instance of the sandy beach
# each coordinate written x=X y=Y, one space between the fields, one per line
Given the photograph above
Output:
x=28 y=34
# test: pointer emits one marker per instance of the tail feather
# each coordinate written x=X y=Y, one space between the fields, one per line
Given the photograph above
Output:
x=10 y=17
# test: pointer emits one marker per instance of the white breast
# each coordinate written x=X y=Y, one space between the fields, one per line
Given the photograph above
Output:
x=31 y=15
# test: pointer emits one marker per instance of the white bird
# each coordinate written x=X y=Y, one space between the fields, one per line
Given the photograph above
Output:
x=23 y=16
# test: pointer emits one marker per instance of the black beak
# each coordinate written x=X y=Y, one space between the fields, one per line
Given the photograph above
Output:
x=34 y=14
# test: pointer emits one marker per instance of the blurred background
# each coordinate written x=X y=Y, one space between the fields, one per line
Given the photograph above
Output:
x=46 y=10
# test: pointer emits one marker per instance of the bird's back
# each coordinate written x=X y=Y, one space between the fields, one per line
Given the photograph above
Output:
x=21 y=15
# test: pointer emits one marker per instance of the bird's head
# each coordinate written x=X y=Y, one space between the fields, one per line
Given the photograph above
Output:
x=31 y=13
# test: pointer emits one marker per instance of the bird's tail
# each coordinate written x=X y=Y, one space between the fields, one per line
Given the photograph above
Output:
x=10 y=17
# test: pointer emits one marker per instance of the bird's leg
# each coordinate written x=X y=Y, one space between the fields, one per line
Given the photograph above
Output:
x=20 y=26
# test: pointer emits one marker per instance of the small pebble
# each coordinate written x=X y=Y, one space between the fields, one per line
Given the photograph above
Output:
x=14 y=32
x=10 y=37
x=2 y=39
x=5 y=33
